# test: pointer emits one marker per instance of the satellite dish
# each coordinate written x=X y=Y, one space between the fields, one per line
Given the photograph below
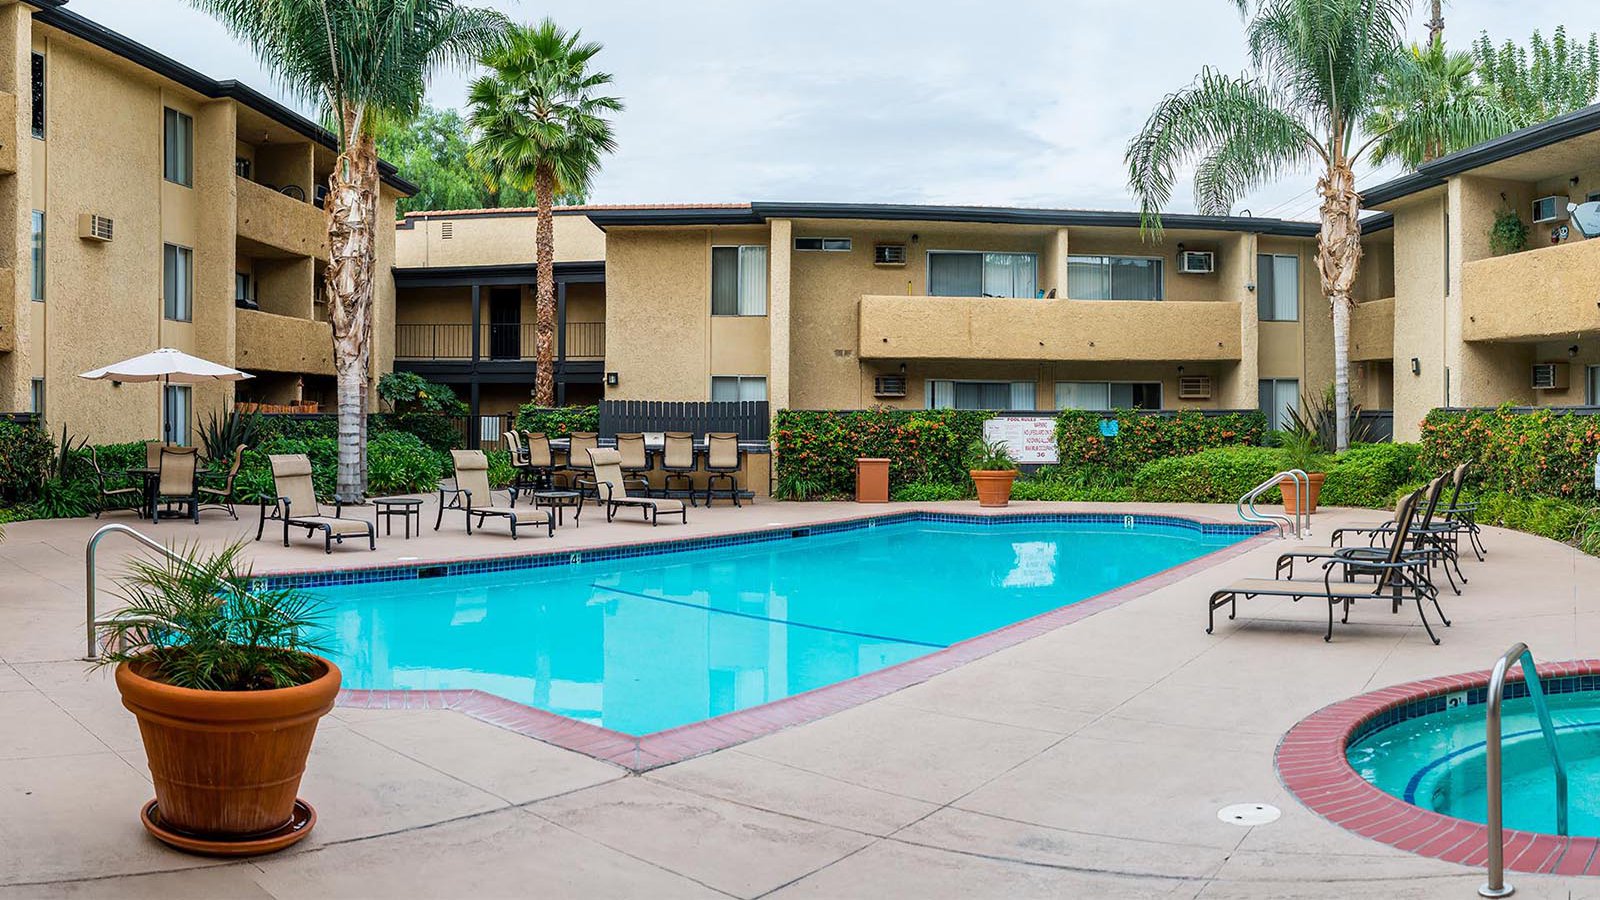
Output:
x=1587 y=217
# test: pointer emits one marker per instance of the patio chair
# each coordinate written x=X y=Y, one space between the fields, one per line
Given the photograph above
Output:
x=222 y=497
x=176 y=484
x=612 y=490
x=678 y=462
x=297 y=505
x=519 y=463
x=1463 y=518
x=1287 y=558
x=473 y=496
x=1428 y=533
x=724 y=459
x=1402 y=578
x=577 y=470
x=635 y=460
x=109 y=498
x=152 y=454
x=541 y=460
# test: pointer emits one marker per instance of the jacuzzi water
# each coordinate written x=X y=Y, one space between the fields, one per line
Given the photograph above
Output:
x=645 y=643
x=1436 y=762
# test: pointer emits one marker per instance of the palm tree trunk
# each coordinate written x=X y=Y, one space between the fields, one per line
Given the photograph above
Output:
x=1436 y=23
x=351 y=210
x=544 y=385
x=1338 y=258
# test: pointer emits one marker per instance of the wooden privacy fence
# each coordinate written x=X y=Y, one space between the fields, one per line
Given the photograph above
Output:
x=747 y=418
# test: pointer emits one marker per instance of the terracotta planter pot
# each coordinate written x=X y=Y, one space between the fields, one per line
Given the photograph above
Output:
x=994 y=487
x=226 y=764
x=1291 y=493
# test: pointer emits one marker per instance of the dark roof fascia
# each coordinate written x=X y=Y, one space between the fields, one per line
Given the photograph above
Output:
x=575 y=272
x=53 y=14
x=1378 y=222
x=410 y=219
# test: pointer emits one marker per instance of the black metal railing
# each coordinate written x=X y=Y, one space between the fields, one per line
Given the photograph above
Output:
x=20 y=418
x=433 y=342
x=586 y=340
x=1380 y=425
x=746 y=418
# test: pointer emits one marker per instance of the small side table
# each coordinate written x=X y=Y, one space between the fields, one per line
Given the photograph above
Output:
x=407 y=508
x=558 y=501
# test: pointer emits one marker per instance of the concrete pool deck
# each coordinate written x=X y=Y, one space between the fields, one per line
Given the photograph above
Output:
x=1089 y=760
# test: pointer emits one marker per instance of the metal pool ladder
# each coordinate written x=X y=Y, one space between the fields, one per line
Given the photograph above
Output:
x=89 y=574
x=1302 y=482
x=1518 y=653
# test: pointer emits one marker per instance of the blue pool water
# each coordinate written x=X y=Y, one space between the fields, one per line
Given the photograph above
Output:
x=1436 y=762
x=645 y=643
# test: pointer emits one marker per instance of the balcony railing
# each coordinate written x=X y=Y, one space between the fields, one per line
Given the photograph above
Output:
x=452 y=341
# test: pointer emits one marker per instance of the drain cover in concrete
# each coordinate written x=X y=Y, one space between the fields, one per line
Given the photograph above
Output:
x=1249 y=814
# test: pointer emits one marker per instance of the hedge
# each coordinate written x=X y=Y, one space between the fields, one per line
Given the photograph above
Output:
x=1369 y=474
x=1142 y=438
x=558 y=421
x=1541 y=453
x=816 y=450
x=1210 y=476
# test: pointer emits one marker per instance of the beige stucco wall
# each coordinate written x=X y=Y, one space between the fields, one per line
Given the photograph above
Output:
x=1372 y=330
x=487 y=239
x=1543 y=293
x=1419 y=311
x=658 y=281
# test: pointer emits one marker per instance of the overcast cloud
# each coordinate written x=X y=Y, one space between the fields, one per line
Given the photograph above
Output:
x=935 y=101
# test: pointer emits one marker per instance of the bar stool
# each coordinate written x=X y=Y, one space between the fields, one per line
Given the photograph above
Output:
x=519 y=461
x=579 y=443
x=723 y=460
x=635 y=461
x=678 y=462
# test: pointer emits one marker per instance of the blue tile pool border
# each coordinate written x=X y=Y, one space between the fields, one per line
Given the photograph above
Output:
x=1468 y=697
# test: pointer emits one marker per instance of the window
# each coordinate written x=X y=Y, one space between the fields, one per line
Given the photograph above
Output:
x=1277 y=397
x=178 y=166
x=728 y=388
x=1277 y=288
x=1591 y=385
x=241 y=286
x=832 y=245
x=36 y=397
x=241 y=167
x=739 y=280
x=1108 y=395
x=175 y=409
x=963 y=273
x=177 y=281
x=1115 y=278
x=38 y=95
x=997 y=395
x=38 y=255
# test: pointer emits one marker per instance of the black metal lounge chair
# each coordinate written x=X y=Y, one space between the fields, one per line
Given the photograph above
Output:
x=1376 y=551
x=610 y=486
x=1428 y=533
x=473 y=495
x=297 y=506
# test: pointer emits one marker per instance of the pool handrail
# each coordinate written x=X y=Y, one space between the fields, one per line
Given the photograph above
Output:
x=1302 y=483
x=1518 y=653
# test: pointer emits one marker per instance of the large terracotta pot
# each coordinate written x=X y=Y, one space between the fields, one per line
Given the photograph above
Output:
x=1291 y=493
x=226 y=764
x=994 y=487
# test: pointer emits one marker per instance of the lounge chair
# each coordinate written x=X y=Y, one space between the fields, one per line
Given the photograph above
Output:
x=1375 y=551
x=473 y=496
x=297 y=506
x=1400 y=578
x=612 y=490
x=222 y=497
x=109 y=498
x=1428 y=532
x=724 y=459
x=176 y=485
x=1462 y=519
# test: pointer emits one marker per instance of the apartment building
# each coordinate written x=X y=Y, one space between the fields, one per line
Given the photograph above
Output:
x=154 y=206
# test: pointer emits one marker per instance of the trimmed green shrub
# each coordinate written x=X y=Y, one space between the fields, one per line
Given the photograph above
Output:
x=1541 y=453
x=1551 y=517
x=254 y=484
x=1143 y=438
x=558 y=421
x=25 y=453
x=1068 y=489
x=1369 y=474
x=400 y=463
x=927 y=491
x=817 y=449
x=1210 y=476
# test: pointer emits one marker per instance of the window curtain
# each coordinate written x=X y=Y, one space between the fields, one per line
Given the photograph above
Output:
x=1114 y=278
x=1086 y=280
x=752 y=389
x=955 y=274
x=724 y=281
x=1277 y=288
x=177 y=414
x=941 y=395
x=1082 y=395
x=1276 y=397
x=1010 y=275
x=1024 y=395
x=753 y=280
x=175 y=283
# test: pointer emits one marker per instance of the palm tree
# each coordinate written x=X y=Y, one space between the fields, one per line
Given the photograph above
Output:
x=541 y=125
x=1430 y=104
x=358 y=61
x=1318 y=68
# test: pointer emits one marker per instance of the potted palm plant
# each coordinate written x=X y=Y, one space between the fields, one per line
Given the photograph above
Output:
x=992 y=470
x=1303 y=451
x=228 y=690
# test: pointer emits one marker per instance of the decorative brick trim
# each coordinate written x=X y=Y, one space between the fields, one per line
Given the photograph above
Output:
x=1312 y=765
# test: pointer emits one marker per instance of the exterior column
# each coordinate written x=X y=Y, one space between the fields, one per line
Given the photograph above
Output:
x=781 y=244
x=561 y=343
x=477 y=325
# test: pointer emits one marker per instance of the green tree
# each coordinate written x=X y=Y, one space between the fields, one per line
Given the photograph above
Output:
x=1544 y=80
x=541 y=124
x=1429 y=103
x=1317 y=71
x=361 y=61
x=433 y=151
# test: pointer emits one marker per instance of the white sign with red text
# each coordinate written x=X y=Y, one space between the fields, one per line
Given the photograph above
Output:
x=1031 y=440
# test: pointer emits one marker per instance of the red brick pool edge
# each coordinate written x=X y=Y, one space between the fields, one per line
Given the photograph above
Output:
x=1312 y=765
x=662 y=748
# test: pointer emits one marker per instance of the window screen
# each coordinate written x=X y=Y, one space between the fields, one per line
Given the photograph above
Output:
x=729 y=388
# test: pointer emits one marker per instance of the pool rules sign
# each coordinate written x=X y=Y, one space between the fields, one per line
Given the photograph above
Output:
x=1031 y=440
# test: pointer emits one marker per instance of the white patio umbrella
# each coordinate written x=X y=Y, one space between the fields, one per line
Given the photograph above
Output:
x=167 y=366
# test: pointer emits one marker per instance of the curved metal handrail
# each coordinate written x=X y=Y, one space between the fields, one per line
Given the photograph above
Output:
x=1302 y=483
x=1496 y=885
x=90 y=592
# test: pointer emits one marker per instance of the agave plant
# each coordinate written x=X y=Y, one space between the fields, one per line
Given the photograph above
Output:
x=1315 y=418
x=198 y=621
x=220 y=434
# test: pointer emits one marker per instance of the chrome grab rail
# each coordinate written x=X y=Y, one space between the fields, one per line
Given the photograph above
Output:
x=1518 y=653
x=89 y=573
x=1302 y=483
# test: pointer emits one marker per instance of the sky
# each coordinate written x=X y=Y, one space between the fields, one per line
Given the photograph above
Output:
x=934 y=101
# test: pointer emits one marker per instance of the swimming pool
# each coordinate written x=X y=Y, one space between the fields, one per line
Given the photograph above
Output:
x=646 y=638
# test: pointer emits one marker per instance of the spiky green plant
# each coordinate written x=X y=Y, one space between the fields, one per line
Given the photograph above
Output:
x=1430 y=103
x=990 y=456
x=198 y=622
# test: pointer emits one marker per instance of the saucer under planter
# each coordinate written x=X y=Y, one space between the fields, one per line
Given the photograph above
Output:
x=1291 y=492
x=227 y=764
x=994 y=486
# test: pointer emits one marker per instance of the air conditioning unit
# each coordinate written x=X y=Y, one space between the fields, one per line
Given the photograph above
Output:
x=1197 y=262
x=1550 y=376
x=94 y=227
x=1194 y=387
x=889 y=386
x=889 y=255
x=1550 y=209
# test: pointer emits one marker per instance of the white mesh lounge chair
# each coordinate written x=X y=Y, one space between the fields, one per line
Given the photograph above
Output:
x=297 y=506
x=473 y=496
x=612 y=490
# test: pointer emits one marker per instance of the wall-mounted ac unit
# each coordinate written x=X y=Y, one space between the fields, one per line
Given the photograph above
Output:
x=1197 y=262
x=1194 y=387
x=889 y=386
x=889 y=255
x=1550 y=376
x=94 y=227
x=1550 y=209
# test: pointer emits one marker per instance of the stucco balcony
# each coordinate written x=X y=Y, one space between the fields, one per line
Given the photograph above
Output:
x=280 y=222
x=1372 y=330
x=895 y=327
x=273 y=343
x=1543 y=294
